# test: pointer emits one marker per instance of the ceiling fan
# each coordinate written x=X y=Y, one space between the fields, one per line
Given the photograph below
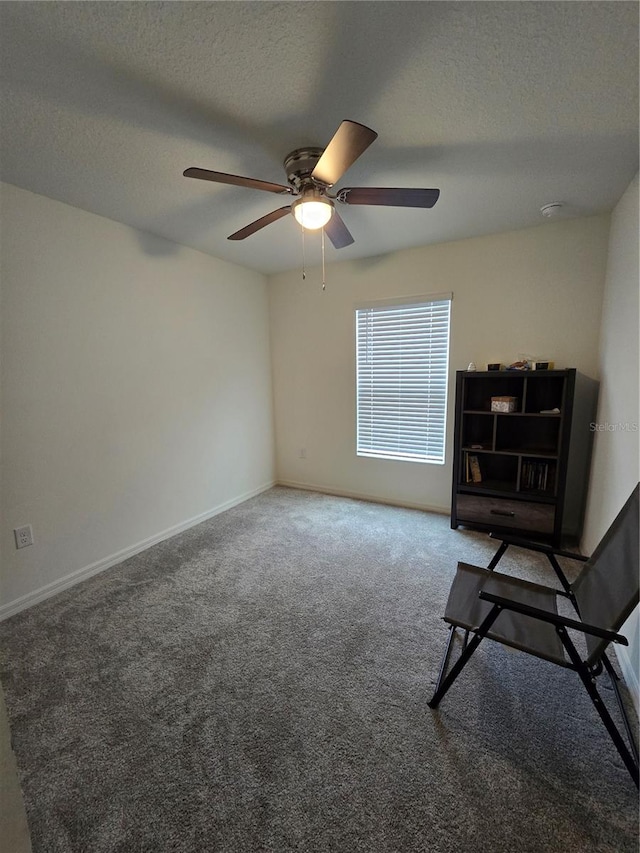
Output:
x=311 y=172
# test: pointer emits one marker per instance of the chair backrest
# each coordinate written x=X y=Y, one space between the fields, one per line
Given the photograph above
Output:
x=607 y=589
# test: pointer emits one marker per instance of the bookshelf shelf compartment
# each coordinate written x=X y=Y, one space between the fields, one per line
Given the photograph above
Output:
x=491 y=468
x=478 y=429
x=511 y=468
x=528 y=435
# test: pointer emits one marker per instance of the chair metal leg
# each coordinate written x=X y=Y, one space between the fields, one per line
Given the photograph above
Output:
x=445 y=657
x=605 y=716
x=497 y=556
x=459 y=665
x=566 y=586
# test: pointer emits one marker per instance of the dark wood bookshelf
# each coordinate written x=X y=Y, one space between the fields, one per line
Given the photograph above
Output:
x=522 y=455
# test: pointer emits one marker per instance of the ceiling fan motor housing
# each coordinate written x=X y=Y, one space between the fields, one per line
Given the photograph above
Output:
x=299 y=165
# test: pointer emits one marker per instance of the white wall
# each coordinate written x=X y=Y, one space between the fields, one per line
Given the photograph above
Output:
x=536 y=291
x=136 y=390
x=616 y=457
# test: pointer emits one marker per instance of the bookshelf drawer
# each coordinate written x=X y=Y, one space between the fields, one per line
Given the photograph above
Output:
x=500 y=512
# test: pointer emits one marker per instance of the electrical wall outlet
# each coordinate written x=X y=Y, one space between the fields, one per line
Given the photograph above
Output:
x=24 y=536
x=303 y=453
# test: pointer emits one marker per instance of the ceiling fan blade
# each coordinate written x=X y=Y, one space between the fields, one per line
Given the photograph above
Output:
x=248 y=230
x=346 y=145
x=236 y=180
x=337 y=231
x=388 y=196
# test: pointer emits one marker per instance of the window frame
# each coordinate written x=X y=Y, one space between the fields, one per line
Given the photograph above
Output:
x=365 y=448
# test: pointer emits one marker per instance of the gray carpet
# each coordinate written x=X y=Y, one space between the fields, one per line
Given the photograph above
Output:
x=259 y=683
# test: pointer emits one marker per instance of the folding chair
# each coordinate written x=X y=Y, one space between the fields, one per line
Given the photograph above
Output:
x=524 y=615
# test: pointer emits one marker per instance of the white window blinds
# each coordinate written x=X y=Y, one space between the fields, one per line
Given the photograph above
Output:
x=402 y=355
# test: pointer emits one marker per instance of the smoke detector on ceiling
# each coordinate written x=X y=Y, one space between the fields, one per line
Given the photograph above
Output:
x=551 y=210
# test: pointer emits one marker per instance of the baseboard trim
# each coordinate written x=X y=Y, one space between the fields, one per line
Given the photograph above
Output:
x=361 y=496
x=71 y=579
x=630 y=676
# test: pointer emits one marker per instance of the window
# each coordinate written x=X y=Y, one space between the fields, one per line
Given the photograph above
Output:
x=402 y=355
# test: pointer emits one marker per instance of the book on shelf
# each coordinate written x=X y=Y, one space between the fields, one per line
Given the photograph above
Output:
x=535 y=476
x=474 y=467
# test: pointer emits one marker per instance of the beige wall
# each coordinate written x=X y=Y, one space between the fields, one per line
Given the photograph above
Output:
x=136 y=391
x=616 y=457
x=536 y=291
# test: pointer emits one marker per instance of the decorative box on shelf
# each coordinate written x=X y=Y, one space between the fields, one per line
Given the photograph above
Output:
x=504 y=404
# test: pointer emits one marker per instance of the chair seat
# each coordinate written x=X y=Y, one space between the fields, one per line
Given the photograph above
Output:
x=465 y=610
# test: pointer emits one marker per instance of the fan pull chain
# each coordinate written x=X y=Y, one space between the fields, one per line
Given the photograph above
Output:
x=324 y=283
x=304 y=274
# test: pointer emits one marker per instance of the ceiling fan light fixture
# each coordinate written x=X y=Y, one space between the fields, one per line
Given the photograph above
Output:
x=312 y=211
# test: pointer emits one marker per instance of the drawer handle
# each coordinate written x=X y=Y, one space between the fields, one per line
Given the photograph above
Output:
x=508 y=513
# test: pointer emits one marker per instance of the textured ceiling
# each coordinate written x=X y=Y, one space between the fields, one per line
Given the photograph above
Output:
x=503 y=106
